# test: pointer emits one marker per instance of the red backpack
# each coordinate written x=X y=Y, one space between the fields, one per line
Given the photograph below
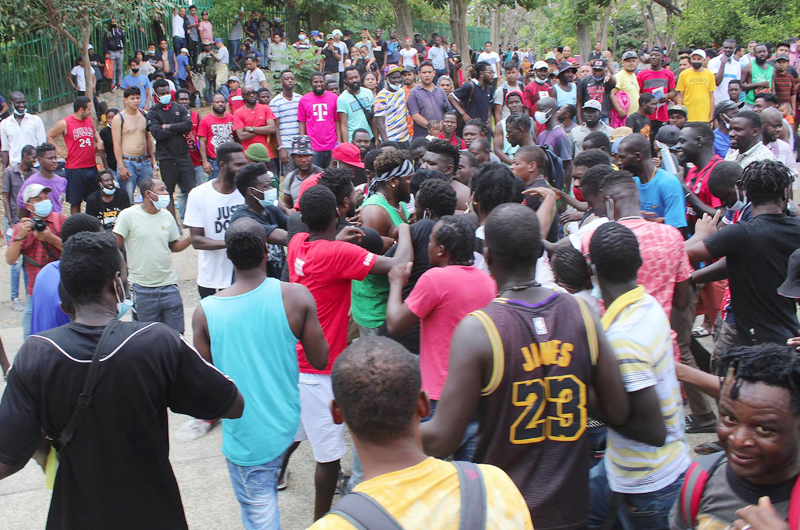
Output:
x=695 y=483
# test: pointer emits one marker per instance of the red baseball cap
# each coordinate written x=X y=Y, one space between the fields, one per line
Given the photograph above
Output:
x=349 y=154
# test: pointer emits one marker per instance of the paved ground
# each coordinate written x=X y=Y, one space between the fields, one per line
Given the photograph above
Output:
x=199 y=466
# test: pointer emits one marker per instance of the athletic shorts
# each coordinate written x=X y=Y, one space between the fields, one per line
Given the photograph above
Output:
x=80 y=184
x=316 y=422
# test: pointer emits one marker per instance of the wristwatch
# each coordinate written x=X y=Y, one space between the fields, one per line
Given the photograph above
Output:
x=250 y=129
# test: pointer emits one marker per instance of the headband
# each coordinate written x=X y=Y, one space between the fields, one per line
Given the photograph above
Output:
x=403 y=170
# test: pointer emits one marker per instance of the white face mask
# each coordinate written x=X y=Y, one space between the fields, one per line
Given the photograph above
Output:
x=540 y=117
x=162 y=202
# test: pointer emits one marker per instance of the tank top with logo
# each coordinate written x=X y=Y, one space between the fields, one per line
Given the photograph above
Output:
x=759 y=75
x=79 y=138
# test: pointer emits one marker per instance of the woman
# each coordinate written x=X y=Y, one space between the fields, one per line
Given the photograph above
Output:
x=145 y=68
x=445 y=83
x=354 y=56
x=454 y=60
x=409 y=57
x=205 y=28
x=370 y=81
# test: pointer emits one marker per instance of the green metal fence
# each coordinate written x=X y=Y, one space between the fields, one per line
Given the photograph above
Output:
x=475 y=36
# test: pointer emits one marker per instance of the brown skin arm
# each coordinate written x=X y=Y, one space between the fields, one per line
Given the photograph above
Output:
x=342 y=127
x=302 y=312
x=201 y=242
x=179 y=245
x=8 y=470
x=375 y=217
x=712 y=273
x=699 y=379
x=499 y=141
x=458 y=108
x=403 y=254
x=698 y=252
x=681 y=295
x=399 y=318
x=57 y=130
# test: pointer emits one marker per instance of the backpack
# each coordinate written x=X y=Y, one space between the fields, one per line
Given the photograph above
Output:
x=556 y=169
x=365 y=513
x=695 y=483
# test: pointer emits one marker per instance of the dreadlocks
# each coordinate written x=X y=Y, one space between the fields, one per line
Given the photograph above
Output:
x=772 y=364
x=766 y=181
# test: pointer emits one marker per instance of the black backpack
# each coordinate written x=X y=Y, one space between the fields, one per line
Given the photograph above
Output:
x=556 y=169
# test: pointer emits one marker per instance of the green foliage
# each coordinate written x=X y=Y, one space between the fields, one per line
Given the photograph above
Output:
x=707 y=22
x=302 y=64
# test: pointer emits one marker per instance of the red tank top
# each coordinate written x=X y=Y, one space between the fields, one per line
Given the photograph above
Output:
x=79 y=138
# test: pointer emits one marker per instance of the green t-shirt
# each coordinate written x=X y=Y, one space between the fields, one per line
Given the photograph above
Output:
x=370 y=295
x=759 y=75
x=147 y=239
x=356 y=117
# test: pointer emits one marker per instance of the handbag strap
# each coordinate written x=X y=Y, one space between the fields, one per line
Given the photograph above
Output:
x=366 y=112
x=85 y=397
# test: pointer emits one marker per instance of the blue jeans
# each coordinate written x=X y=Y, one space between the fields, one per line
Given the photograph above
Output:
x=27 y=316
x=256 y=489
x=15 y=268
x=159 y=304
x=263 y=47
x=234 y=46
x=177 y=44
x=637 y=511
x=139 y=171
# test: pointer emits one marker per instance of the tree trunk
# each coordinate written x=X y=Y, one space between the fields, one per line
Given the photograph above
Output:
x=402 y=13
x=293 y=20
x=495 y=25
x=88 y=71
x=604 y=34
x=458 y=23
x=317 y=18
x=616 y=42
x=584 y=40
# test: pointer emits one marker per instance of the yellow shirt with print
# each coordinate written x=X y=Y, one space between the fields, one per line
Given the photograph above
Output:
x=630 y=85
x=428 y=496
x=697 y=88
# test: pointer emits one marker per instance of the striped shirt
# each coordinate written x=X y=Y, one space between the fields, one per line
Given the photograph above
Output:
x=639 y=333
x=286 y=113
x=392 y=106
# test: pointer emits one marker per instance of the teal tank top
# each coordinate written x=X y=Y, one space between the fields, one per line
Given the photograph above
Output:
x=252 y=343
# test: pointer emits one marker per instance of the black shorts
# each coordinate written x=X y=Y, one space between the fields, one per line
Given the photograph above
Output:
x=178 y=171
x=80 y=184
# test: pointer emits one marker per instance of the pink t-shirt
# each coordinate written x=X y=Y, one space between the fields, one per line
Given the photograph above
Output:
x=442 y=297
x=320 y=116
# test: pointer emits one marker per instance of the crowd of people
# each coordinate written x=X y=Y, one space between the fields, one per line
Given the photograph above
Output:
x=503 y=269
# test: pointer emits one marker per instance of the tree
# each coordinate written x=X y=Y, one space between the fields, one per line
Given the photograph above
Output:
x=402 y=13
x=74 y=20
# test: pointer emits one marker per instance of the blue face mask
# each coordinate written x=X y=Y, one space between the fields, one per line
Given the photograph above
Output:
x=111 y=191
x=43 y=209
x=18 y=113
x=165 y=99
x=123 y=304
x=270 y=196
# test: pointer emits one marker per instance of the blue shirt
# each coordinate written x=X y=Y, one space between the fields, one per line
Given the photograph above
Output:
x=664 y=195
x=141 y=82
x=183 y=66
x=251 y=342
x=46 y=310
x=722 y=142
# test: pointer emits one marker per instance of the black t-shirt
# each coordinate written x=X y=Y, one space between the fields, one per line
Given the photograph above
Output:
x=107 y=212
x=116 y=471
x=331 y=64
x=639 y=124
x=108 y=145
x=591 y=88
x=379 y=51
x=475 y=100
x=533 y=202
x=757 y=254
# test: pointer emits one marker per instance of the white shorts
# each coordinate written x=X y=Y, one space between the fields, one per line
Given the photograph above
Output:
x=316 y=421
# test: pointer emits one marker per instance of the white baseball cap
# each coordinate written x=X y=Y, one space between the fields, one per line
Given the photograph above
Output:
x=699 y=51
x=539 y=65
x=33 y=190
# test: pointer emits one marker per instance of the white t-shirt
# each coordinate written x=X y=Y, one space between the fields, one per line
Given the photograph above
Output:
x=733 y=70
x=408 y=56
x=210 y=210
x=492 y=58
x=80 y=73
x=342 y=47
x=253 y=77
x=177 y=27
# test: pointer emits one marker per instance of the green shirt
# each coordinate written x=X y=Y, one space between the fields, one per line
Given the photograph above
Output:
x=758 y=75
x=356 y=117
x=369 y=296
x=147 y=238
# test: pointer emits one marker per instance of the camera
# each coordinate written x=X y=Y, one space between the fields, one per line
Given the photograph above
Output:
x=39 y=225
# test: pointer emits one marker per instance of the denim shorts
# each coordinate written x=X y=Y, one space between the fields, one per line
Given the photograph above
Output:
x=256 y=489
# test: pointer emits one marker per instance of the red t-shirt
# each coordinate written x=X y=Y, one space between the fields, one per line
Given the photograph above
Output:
x=244 y=118
x=235 y=100
x=327 y=268
x=191 y=139
x=309 y=181
x=533 y=92
x=216 y=131
x=651 y=81
x=455 y=140
x=79 y=138
x=697 y=182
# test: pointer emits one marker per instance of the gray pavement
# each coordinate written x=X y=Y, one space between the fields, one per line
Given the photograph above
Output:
x=199 y=465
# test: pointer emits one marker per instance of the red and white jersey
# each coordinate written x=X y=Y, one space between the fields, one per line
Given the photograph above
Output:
x=79 y=138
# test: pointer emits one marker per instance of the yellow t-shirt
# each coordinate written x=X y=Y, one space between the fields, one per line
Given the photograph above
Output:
x=697 y=88
x=427 y=496
x=630 y=85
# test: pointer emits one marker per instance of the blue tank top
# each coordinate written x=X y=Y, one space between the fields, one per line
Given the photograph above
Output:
x=566 y=98
x=252 y=343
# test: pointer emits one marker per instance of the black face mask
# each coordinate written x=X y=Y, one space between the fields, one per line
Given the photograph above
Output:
x=135 y=70
x=697 y=66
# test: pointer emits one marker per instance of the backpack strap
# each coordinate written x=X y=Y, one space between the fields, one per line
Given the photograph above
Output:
x=693 y=486
x=473 y=496
x=365 y=513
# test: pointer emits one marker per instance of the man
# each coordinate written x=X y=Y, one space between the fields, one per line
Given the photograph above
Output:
x=598 y=87
x=332 y=86
x=392 y=110
x=114 y=46
x=499 y=108
x=136 y=80
x=380 y=49
x=678 y=116
x=757 y=76
x=209 y=208
x=253 y=75
x=263 y=360
x=302 y=158
x=746 y=144
x=491 y=58
x=167 y=58
x=660 y=82
x=354 y=106
x=597 y=53
x=151 y=236
x=403 y=476
x=191 y=25
x=696 y=89
x=772 y=121
x=723 y=114
x=481 y=149
x=343 y=50
x=735 y=92
x=757 y=255
x=222 y=57
x=426 y=101
x=254 y=123
x=277 y=51
x=467 y=166
x=327 y=268
x=437 y=55
x=316 y=112
x=538 y=88
x=527 y=451
x=178 y=30
x=168 y=122
x=183 y=69
x=284 y=107
x=725 y=69
x=565 y=91
x=750 y=55
x=750 y=392
x=144 y=365
x=638 y=121
x=214 y=131
x=444 y=156
x=515 y=131
x=329 y=59
x=648 y=474
x=592 y=112
x=660 y=192
x=19 y=129
x=473 y=98
x=183 y=98
x=531 y=166
x=133 y=146
x=627 y=81
x=14 y=177
x=82 y=142
x=78 y=72
x=36 y=239
x=784 y=82
x=553 y=135
x=47 y=177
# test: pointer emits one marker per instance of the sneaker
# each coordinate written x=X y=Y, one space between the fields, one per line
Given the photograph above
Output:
x=193 y=429
x=17 y=306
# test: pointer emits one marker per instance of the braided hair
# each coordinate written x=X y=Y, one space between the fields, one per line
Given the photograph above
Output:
x=457 y=235
x=766 y=181
x=614 y=250
x=772 y=364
